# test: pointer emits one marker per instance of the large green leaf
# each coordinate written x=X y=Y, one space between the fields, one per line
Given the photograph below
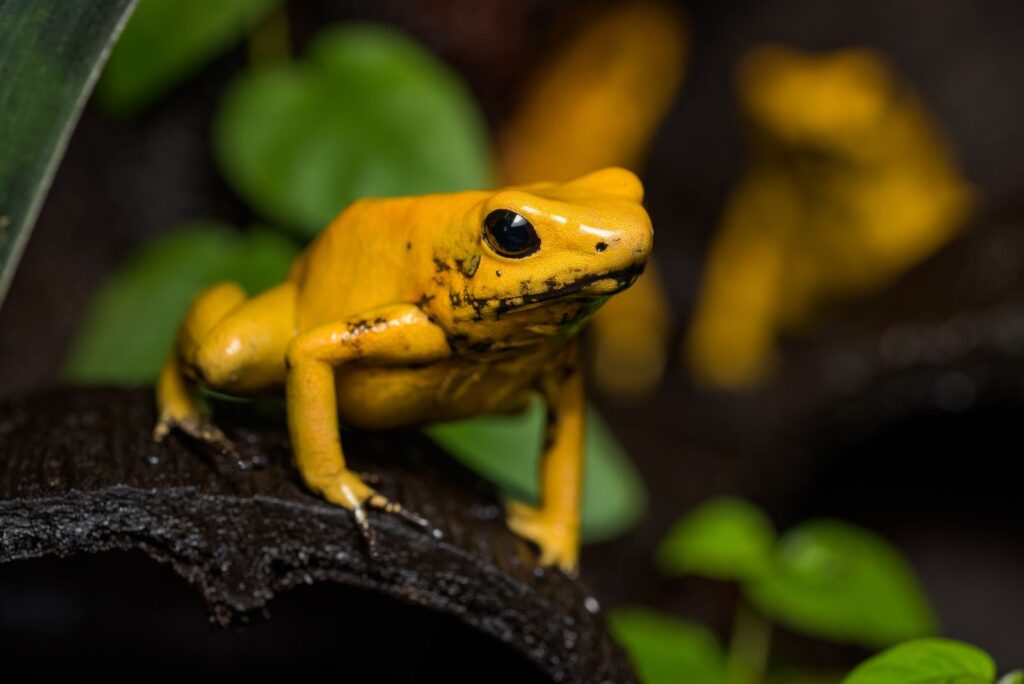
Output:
x=368 y=113
x=131 y=322
x=926 y=661
x=725 y=538
x=166 y=41
x=667 y=650
x=505 y=449
x=837 y=581
x=50 y=54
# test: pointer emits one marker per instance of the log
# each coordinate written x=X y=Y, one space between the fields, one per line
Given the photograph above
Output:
x=80 y=477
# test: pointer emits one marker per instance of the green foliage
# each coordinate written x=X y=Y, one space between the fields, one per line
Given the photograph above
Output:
x=367 y=113
x=50 y=54
x=926 y=661
x=130 y=325
x=725 y=538
x=841 y=582
x=826 y=578
x=1015 y=677
x=666 y=650
x=505 y=450
x=168 y=40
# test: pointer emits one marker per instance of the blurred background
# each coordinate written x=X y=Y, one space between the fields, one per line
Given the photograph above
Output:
x=833 y=328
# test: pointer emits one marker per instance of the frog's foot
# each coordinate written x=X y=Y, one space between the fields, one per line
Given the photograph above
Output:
x=558 y=540
x=349 y=491
x=196 y=426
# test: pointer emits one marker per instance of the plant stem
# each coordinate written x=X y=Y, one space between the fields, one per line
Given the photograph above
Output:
x=748 y=646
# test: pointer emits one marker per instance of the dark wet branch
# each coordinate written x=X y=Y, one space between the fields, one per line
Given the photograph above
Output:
x=79 y=474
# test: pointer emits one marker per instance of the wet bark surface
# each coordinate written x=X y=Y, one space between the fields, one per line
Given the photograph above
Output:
x=80 y=475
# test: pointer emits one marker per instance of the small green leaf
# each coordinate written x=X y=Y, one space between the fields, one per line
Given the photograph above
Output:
x=926 y=661
x=368 y=113
x=131 y=322
x=667 y=650
x=50 y=54
x=505 y=449
x=168 y=40
x=837 y=581
x=725 y=538
x=1015 y=677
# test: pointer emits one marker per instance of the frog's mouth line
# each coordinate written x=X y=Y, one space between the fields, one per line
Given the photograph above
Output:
x=583 y=287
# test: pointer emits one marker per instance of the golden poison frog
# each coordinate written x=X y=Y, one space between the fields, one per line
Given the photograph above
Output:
x=412 y=310
x=849 y=183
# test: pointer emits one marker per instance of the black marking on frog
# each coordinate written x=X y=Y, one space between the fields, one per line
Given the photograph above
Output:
x=601 y=246
x=408 y=245
x=457 y=340
x=424 y=300
x=624 y=278
x=481 y=346
x=462 y=343
x=468 y=266
x=441 y=266
x=358 y=327
x=497 y=273
x=478 y=304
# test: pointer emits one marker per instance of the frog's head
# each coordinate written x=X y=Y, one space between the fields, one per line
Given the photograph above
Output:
x=548 y=254
x=828 y=103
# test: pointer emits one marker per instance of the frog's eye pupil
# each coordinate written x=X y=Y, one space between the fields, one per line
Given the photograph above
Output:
x=509 y=234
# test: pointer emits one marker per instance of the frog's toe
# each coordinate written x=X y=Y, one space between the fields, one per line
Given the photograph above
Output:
x=557 y=541
x=352 y=493
x=198 y=428
x=384 y=504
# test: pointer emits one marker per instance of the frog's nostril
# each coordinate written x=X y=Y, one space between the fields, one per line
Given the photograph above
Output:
x=601 y=246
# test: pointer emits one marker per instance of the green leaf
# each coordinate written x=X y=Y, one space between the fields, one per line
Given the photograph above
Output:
x=505 y=449
x=1015 y=677
x=926 y=661
x=168 y=40
x=131 y=322
x=50 y=54
x=725 y=538
x=667 y=650
x=368 y=113
x=837 y=581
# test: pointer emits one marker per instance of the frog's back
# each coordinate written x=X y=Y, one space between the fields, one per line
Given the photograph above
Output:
x=360 y=261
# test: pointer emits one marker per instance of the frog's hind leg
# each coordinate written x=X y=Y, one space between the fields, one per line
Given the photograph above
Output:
x=226 y=343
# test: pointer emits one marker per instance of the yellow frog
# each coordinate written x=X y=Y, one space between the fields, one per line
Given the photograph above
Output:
x=849 y=183
x=419 y=309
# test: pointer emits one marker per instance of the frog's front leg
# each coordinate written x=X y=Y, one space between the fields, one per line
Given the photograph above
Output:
x=391 y=335
x=554 y=525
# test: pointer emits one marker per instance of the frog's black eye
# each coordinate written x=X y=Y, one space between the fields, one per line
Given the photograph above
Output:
x=509 y=234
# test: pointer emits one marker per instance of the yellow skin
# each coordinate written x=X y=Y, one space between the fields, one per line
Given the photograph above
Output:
x=609 y=89
x=848 y=185
x=405 y=311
